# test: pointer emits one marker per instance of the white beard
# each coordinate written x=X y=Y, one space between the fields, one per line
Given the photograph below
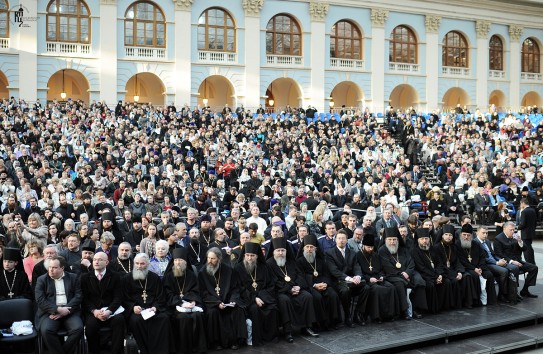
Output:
x=310 y=257
x=281 y=261
x=139 y=274
x=392 y=249
x=211 y=270
x=465 y=244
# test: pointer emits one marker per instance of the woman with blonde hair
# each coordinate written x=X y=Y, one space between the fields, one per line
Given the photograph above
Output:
x=316 y=226
x=35 y=231
x=34 y=252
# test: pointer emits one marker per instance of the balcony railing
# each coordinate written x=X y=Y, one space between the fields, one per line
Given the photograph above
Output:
x=455 y=71
x=217 y=57
x=284 y=60
x=404 y=67
x=531 y=76
x=145 y=53
x=496 y=74
x=68 y=48
x=4 y=43
x=346 y=63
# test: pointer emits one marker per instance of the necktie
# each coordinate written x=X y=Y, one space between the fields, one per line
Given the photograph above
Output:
x=342 y=252
x=485 y=247
x=388 y=223
x=99 y=276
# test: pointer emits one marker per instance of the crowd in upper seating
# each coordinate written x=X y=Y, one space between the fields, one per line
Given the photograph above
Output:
x=353 y=212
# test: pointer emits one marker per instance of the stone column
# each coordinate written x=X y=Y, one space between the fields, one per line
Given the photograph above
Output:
x=433 y=55
x=318 y=11
x=27 y=46
x=378 y=20
x=108 y=52
x=182 y=53
x=252 y=53
x=482 y=28
x=515 y=32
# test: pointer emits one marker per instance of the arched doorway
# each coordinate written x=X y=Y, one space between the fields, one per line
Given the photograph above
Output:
x=70 y=82
x=218 y=91
x=497 y=98
x=347 y=93
x=455 y=96
x=403 y=97
x=283 y=92
x=145 y=88
x=4 y=91
x=532 y=98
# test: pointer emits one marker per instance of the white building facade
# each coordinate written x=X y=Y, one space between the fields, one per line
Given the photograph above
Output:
x=425 y=54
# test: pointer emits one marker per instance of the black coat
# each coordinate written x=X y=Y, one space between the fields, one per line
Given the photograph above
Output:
x=104 y=293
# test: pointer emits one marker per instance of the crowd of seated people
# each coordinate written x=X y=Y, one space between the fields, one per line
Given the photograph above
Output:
x=196 y=230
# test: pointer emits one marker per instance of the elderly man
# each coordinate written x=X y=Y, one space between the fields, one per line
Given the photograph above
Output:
x=184 y=300
x=259 y=287
x=349 y=282
x=106 y=245
x=49 y=252
x=102 y=296
x=295 y=303
x=14 y=283
x=221 y=292
x=355 y=243
x=143 y=295
x=72 y=255
x=58 y=298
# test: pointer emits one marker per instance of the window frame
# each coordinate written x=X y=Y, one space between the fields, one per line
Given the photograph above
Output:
x=225 y=28
x=531 y=59
x=337 y=41
x=397 y=46
x=58 y=23
x=446 y=48
x=134 y=21
x=495 y=53
x=291 y=34
x=5 y=12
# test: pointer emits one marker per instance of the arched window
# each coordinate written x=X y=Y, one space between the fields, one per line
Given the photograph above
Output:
x=530 y=56
x=216 y=31
x=68 y=21
x=495 y=53
x=455 y=50
x=144 y=25
x=345 y=41
x=403 y=46
x=283 y=36
x=4 y=19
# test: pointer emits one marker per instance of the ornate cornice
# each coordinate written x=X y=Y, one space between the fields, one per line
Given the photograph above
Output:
x=432 y=23
x=482 y=27
x=379 y=17
x=515 y=32
x=252 y=7
x=183 y=4
x=318 y=10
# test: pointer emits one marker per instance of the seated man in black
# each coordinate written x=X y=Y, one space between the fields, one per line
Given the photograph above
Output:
x=14 y=282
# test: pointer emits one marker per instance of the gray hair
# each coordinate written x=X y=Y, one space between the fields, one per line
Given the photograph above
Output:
x=107 y=236
x=142 y=255
x=216 y=251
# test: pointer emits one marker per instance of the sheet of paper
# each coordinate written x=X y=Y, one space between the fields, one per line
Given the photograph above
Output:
x=147 y=314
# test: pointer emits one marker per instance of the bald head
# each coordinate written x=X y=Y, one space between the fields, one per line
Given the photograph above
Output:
x=100 y=262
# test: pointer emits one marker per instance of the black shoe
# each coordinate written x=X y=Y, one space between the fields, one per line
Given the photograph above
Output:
x=289 y=338
x=218 y=347
x=379 y=321
x=502 y=298
x=349 y=324
x=234 y=347
x=417 y=315
x=526 y=293
x=406 y=316
x=519 y=298
x=360 y=319
x=310 y=332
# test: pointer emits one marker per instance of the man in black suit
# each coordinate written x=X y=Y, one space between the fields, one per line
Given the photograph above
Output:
x=482 y=206
x=107 y=246
x=509 y=246
x=58 y=296
x=348 y=280
x=387 y=221
x=527 y=224
x=453 y=204
x=102 y=296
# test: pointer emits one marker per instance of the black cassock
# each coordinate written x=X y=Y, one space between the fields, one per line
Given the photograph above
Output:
x=437 y=295
x=326 y=303
x=472 y=258
x=393 y=274
x=122 y=266
x=188 y=327
x=20 y=287
x=197 y=254
x=225 y=327
x=153 y=334
x=461 y=290
x=293 y=310
x=264 y=318
x=382 y=301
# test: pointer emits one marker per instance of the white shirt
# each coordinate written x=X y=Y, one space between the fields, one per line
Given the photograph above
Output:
x=61 y=299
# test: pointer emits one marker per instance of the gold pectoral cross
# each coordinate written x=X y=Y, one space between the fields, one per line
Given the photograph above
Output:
x=218 y=290
x=144 y=296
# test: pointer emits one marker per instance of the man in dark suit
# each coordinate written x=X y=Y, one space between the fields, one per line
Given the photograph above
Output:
x=453 y=204
x=102 y=296
x=527 y=224
x=509 y=246
x=58 y=296
x=348 y=280
x=387 y=221
x=482 y=206
x=107 y=246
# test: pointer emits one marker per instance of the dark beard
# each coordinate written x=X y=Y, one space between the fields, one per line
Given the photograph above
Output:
x=179 y=271
x=211 y=270
x=249 y=266
x=309 y=257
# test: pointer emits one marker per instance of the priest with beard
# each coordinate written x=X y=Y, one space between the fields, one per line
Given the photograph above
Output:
x=399 y=270
x=312 y=264
x=197 y=250
x=108 y=223
x=220 y=240
x=135 y=236
x=438 y=286
x=124 y=263
x=259 y=290
x=86 y=207
x=142 y=291
x=461 y=282
x=184 y=301
x=382 y=302
x=14 y=281
x=472 y=257
x=295 y=302
x=222 y=295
